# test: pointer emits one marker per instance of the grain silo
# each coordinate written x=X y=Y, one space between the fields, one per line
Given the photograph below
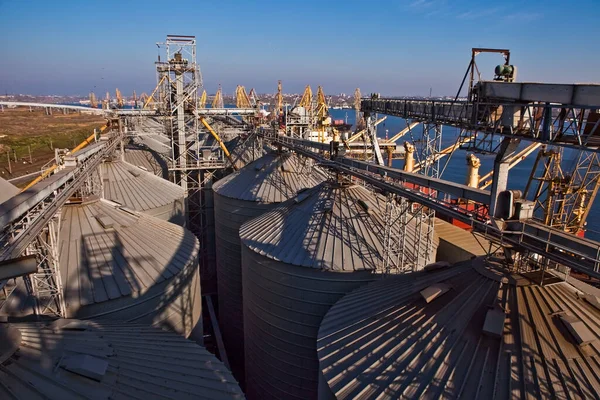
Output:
x=472 y=331
x=117 y=264
x=239 y=197
x=147 y=159
x=143 y=191
x=74 y=359
x=298 y=260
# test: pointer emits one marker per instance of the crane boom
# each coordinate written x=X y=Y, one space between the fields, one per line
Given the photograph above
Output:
x=218 y=100
x=218 y=139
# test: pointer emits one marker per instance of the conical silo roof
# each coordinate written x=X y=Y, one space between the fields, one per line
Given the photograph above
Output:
x=273 y=178
x=468 y=331
x=148 y=160
x=73 y=359
x=334 y=227
x=142 y=191
x=122 y=265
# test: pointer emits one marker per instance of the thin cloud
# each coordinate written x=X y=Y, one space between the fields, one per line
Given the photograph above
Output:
x=475 y=14
x=424 y=4
x=523 y=17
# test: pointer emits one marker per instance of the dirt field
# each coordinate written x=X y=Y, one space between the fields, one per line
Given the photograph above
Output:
x=21 y=130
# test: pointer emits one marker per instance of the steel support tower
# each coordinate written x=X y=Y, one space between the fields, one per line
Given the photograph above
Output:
x=192 y=165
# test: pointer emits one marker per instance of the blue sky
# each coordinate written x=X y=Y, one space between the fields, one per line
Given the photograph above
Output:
x=392 y=47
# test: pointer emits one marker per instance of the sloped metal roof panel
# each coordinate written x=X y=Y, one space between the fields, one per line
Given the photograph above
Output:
x=273 y=178
x=384 y=341
x=142 y=363
x=141 y=191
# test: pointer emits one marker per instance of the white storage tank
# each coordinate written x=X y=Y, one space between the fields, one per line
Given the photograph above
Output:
x=117 y=264
x=298 y=260
x=472 y=331
x=239 y=197
x=74 y=359
x=143 y=191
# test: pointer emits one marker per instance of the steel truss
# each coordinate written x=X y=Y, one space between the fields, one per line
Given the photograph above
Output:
x=192 y=165
x=408 y=236
x=555 y=245
x=46 y=284
x=561 y=125
x=563 y=195
x=32 y=224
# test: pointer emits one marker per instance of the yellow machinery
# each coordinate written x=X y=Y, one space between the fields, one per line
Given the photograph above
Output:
x=218 y=139
x=253 y=97
x=202 y=102
x=359 y=119
x=218 y=100
x=93 y=100
x=241 y=98
x=119 y=98
x=51 y=169
x=279 y=99
x=306 y=100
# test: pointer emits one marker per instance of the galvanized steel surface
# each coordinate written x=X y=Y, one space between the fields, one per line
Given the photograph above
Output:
x=148 y=160
x=129 y=266
x=273 y=178
x=385 y=341
x=143 y=191
x=240 y=197
x=457 y=244
x=327 y=228
x=142 y=363
x=298 y=260
x=7 y=190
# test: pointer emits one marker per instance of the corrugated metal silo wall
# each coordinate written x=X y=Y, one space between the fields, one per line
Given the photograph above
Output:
x=170 y=212
x=283 y=308
x=174 y=304
x=230 y=214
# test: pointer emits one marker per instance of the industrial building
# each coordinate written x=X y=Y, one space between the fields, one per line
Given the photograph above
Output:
x=306 y=263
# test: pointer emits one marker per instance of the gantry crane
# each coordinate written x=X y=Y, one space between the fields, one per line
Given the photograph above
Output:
x=218 y=100
x=119 y=98
x=241 y=98
x=253 y=97
x=307 y=98
x=106 y=104
x=93 y=100
x=359 y=121
x=279 y=99
x=202 y=101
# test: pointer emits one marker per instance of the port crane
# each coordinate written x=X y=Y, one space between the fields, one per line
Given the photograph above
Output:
x=93 y=100
x=119 y=97
x=218 y=99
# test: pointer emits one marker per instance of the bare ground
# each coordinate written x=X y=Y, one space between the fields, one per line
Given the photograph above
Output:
x=22 y=130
